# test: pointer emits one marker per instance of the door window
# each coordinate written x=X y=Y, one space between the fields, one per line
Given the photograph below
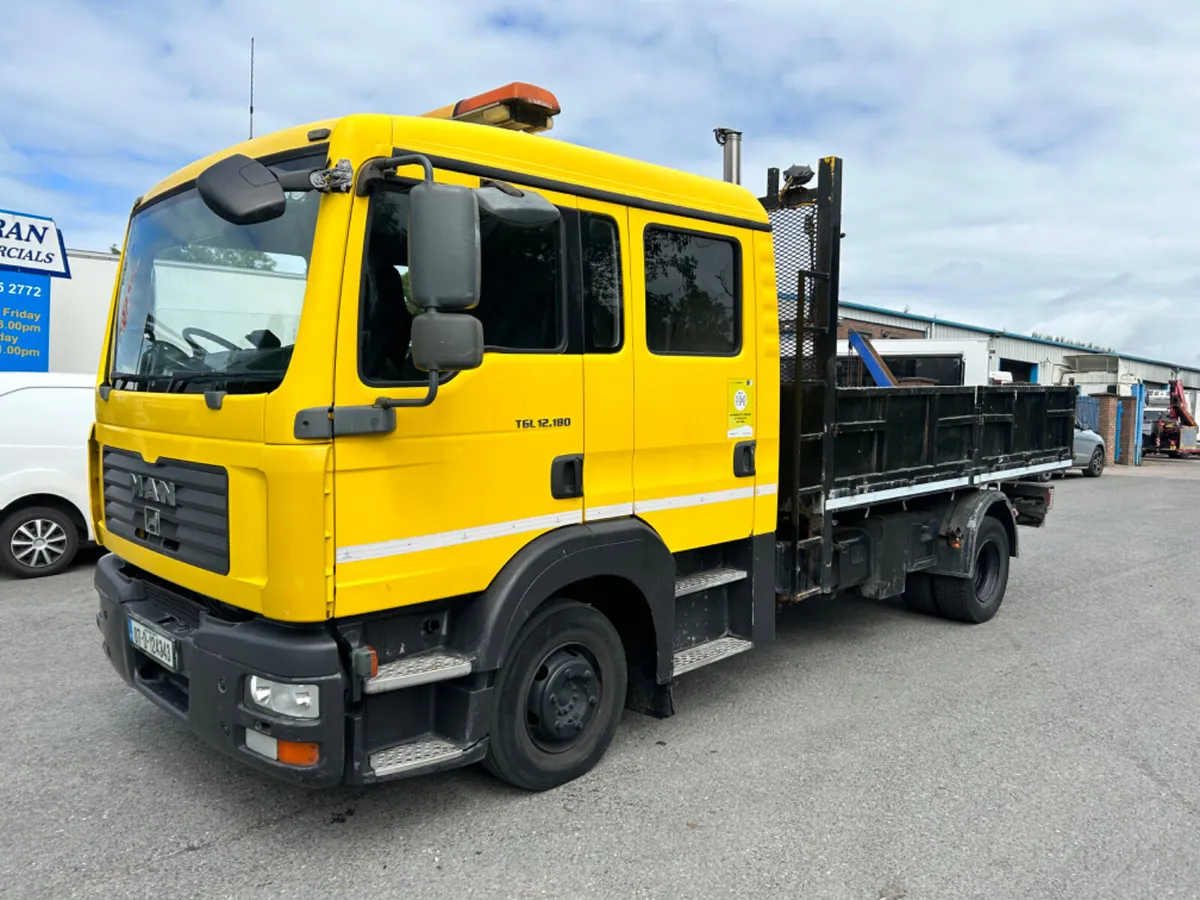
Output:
x=521 y=297
x=693 y=293
x=603 y=313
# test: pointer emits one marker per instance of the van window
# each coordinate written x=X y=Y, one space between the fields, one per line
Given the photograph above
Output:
x=693 y=293
x=521 y=297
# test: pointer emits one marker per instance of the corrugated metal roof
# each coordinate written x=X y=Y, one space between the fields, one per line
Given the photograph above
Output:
x=993 y=332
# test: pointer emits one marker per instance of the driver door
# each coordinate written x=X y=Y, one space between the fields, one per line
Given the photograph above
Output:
x=436 y=507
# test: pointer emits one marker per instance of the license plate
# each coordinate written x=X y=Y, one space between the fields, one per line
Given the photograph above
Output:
x=153 y=643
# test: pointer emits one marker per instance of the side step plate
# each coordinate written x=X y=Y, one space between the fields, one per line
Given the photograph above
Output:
x=415 y=755
x=702 y=581
x=713 y=651
x=428 y=667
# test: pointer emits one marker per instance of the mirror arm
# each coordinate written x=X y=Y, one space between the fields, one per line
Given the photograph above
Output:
x=396 y=402
x=374 y=170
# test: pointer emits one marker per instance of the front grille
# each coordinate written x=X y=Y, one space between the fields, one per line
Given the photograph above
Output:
x=186 y=503
x=182 y=610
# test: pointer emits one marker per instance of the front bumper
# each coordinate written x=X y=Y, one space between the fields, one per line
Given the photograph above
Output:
x=217 y=652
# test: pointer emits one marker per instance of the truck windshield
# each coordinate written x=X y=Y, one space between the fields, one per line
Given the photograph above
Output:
x=207 y=305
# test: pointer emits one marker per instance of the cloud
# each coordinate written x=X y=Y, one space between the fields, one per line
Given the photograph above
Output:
x=1026 y=165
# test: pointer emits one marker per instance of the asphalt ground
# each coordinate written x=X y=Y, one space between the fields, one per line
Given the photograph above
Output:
x=869 y=753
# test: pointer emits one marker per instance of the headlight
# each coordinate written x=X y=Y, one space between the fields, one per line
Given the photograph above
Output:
x=303 y=701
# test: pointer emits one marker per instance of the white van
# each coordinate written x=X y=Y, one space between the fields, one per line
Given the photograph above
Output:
x=45 y=420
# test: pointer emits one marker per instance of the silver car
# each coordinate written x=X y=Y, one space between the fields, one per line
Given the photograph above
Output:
x=1089 y=450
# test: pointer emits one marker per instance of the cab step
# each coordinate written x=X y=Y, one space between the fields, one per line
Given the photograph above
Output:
x=702 y=581
x=418 y=754
x=710 y=652
x=414 y=670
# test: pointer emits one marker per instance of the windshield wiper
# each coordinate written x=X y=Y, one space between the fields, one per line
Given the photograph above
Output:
x=234 y=377
x=131 y=378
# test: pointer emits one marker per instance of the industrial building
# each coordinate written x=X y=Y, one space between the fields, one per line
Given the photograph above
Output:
x=951 y=352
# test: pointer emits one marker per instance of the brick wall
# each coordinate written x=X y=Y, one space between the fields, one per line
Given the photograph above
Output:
x=1129 y=430
x=1108 y=425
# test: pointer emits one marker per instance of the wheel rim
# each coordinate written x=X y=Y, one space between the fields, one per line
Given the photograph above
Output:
x=987 y=573
x=562 y=698
x=38 y=543
x=1097 y=462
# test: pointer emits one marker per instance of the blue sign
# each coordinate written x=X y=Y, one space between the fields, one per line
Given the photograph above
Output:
x=24 y=322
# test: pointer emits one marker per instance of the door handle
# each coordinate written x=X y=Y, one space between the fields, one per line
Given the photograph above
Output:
x=566 y=477
x=743 y=459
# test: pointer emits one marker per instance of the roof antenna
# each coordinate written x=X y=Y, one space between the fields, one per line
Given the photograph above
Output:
x=252 y=88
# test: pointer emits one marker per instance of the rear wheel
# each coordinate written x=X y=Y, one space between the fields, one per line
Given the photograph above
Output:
x=918 y=594
x=1096 y=464
x=977 y=598
x=558 y=697
x=37 y=541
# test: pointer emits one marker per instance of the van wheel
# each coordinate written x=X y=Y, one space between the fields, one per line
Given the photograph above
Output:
x=1095 y=465
x=558 y=697
x=37 y=541
x=976 y=599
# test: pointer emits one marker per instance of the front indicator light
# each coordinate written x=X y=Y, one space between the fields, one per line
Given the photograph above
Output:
x=301 y=701
x=292 y=753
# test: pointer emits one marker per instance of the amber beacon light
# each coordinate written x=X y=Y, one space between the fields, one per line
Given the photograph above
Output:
x=518 y=106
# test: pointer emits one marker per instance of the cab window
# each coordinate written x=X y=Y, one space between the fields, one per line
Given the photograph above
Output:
x=693 y=293
x=521 y=297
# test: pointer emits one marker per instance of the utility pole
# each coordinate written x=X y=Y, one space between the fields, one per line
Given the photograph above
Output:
x=251 y=87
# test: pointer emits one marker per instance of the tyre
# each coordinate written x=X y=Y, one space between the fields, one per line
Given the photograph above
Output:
x=918 y=594
x=37 y=541
x=558 y=697
x=977 y=598
x=1096 y=464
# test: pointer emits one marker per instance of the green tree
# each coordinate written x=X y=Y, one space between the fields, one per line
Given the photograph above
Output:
x=221 y=256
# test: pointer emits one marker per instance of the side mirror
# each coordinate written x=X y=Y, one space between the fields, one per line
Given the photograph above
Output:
x=443 y=247
x=447 y=342
x=241 y=190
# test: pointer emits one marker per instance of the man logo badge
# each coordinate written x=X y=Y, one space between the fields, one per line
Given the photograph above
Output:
x=153 y=489
x=153 y=522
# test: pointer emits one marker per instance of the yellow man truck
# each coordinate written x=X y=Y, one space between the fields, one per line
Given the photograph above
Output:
x=425 y=441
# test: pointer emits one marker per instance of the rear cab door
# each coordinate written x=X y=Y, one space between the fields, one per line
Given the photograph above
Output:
x=695 y=372
x=435 y=507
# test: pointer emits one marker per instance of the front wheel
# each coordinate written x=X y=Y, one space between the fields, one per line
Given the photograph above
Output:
x=977 y=598
x=558 y=697
x=1096 y=464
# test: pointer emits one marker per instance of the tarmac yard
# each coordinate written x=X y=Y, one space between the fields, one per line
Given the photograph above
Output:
x=869 y=753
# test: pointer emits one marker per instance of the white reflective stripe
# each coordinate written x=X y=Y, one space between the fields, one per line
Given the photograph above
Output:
x=910 y=490
x=401 y=546
x=932 y=487
x=1006 y=474
x=616 y=511
x=665 y=503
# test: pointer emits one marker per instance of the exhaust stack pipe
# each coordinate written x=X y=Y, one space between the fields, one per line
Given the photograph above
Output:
x=732 y=142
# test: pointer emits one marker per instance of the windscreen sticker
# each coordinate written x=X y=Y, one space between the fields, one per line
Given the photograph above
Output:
x=741 y=408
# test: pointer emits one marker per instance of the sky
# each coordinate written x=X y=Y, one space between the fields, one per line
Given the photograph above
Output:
x=1026 y=166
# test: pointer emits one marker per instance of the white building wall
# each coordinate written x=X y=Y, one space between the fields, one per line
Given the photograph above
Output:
x=974 y=353
x=79 y=311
